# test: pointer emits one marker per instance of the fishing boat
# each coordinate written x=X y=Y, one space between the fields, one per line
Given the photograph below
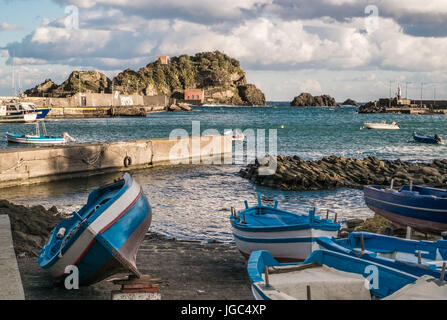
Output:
x=288 y=236
x=381 y=125
x=329 y=275
x=238 y=136
x=18 y=107
x=103 y=237
x=436 y=139
x=421 y=208
x=415 y=257
x=7 y=116
x=37 y=138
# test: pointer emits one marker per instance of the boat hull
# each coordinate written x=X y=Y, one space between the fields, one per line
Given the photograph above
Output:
x=424 y=214
x=21 y=118
x=285 y=246
x=107 y=245
x=14 y=138
x=379 y=126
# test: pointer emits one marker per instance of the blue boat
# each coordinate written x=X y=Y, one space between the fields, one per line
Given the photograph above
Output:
x=288 y=236
x=37 y=138
x=325 y=275
x=415 y=257
x=422 y=208
x=20 y=108
x=436 y=139
x=103 y=237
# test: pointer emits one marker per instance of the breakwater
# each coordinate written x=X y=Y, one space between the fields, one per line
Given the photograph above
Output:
x=293 y=173
x=33 y=165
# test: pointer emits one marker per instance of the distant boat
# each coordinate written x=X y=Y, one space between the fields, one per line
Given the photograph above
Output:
x=381 y=125
x=103 y=237
x=288 y=236
x=37 y=138
x=238 y=136
x=436 y=139
x=7 y=116
x=17 y=108
x=412 y=256
x=422 y=208
x=329 y=275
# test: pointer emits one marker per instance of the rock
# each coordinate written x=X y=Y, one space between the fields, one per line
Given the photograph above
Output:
x=307 y=100
x=251 y=95
x=352 y=223
x=350 y=102
x=174 y=107
x=371 y=107
x=184 y=107
x=377 y=224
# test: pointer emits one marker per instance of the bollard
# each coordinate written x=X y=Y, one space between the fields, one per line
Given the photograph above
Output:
x=419 y=257
x=392 y=184
x=266 y=274
x=309 y=296
x=408 y=236
x=327 y=214
x=443 y=272
x=362 y=242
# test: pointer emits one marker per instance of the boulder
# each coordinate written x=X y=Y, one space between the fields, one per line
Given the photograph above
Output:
x=350 y=102
x=307 y=100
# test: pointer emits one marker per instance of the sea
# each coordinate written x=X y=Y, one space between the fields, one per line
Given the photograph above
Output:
x=192 y=202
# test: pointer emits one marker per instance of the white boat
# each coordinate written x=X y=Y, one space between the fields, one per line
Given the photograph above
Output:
x=37 y=138
x=235 y=135
x=381 y=125
x=7 y=116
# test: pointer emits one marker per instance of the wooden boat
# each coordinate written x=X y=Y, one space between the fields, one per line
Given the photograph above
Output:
x=415 y=257
x=381 y=125
x=436 y=139
x=288 y=236
x=37 y=138
x=329 y=275
x=422 y=208
x=7 y=116
x=103 y=237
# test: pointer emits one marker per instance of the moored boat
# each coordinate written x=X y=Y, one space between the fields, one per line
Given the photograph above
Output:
x=412 y=256
x=103 y=237
x=326 y=275
x=422 y=208
x=436 y=139
x=37 y=138
x=288 y=236
x=381 y=125
x=7 y=116
x=19 y=107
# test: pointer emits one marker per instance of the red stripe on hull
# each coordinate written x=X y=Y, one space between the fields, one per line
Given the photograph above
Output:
x=417 y=224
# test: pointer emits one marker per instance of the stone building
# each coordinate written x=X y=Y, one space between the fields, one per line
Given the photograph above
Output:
x=163 y=59
x=194 y=95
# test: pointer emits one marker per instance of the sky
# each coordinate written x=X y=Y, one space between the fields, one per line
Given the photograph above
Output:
x=360 y=49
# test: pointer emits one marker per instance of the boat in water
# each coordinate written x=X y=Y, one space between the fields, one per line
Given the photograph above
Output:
x=37 y=138
x=103 y=237
x=436 y=139
x=381 y=125
x=288 y=236
x=7 y=116
x=412 y=256
x=419 y=207
x=329 y=275
x=17 y=108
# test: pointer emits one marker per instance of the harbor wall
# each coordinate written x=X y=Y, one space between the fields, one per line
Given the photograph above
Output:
x=42 y=164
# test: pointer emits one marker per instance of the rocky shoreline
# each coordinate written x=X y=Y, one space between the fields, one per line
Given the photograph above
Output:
x=293 y=173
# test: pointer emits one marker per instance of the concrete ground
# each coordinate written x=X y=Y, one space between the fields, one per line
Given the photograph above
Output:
x=10 y=282
x=190 y=270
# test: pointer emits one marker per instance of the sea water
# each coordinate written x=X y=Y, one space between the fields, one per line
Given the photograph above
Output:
x=193 y=201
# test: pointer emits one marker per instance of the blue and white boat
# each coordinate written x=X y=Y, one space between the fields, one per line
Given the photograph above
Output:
x=103 y=237
x=19 y=108
x=422 y=208
x=37 y=138
x=415 y=257
x=288 y=236
x=329 y=275
x=436 y=139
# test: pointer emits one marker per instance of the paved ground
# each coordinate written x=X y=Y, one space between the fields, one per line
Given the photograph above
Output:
x=190 y=270
x=10 y=282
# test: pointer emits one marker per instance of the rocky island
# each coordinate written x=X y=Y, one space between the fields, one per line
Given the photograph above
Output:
x=307 y=100
x=219 y=76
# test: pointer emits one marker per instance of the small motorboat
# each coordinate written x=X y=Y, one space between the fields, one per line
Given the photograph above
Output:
x=381 y=125
x=436 y=139
x=415 y=257
x=288 y=236
x=18 y=107
x=37 y=138
x=421 y=208
x=238 y=136
x=329 y=275
x=103 y=237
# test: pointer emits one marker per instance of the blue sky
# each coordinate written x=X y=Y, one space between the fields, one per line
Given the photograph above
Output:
x=345 y=48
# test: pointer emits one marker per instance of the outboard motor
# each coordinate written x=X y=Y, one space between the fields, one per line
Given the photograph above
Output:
x=438 y=138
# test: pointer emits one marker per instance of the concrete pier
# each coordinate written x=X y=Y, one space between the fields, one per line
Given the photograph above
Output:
x=10 y=281
x=21 y=166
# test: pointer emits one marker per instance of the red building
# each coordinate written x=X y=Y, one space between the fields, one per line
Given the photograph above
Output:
x=195 y=95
